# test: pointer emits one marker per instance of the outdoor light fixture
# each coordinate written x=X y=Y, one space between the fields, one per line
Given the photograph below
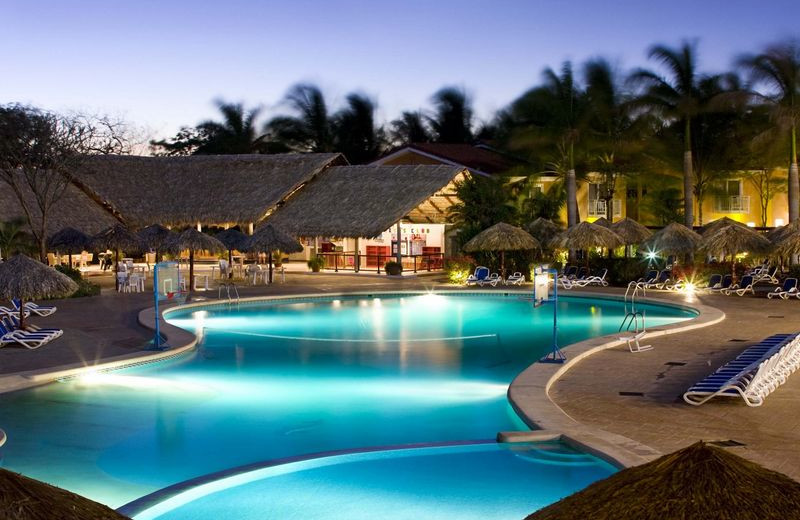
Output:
x=778 y=222
x=751 y=224
x=651 y=255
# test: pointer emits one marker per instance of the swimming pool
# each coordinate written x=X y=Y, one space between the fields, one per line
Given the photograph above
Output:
x=464 y=482
x=284 y=378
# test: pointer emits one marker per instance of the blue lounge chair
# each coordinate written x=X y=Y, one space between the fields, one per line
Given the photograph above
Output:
x=29 y=340
x=726 y=282
x=714 y=280
x=479 y=276
x=660 y=281
x=789 y=288
x=751 y=375
x=744 y=286
x=39 y=310
x=571 y=271
x=11 y=323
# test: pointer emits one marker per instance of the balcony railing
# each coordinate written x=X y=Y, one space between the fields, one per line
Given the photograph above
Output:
x=597 y=208
x=732 y=204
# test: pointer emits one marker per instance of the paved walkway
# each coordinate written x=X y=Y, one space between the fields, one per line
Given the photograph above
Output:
x=591 y=391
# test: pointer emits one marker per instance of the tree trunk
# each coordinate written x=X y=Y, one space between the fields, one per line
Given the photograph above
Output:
x=794 y=192
x=639 y=193
x=191 y=271
x=700 y=210
x=503 y=264
x=688 y=196
x=572 y=201
x=688 y=176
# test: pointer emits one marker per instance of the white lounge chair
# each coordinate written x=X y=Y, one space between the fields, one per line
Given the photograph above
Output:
x=593 y=280
x=515 y=279
x=492 y=280
x=789 y=288
x=744 y=286
x=633 y=342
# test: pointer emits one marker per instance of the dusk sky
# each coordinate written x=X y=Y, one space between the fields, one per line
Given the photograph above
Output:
x=159 y=64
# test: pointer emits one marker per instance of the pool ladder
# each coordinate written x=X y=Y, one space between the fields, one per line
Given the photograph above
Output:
x=231 y=296
x=633 y=318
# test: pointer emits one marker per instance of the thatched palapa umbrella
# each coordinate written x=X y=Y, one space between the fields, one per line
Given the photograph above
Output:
x=602 y=221
x=233 y=239
x=24 y=498
x=193 y=240
x=585 y=236
x=115 y=238
x=156 y=237
x=502 y=237
x=267 y=239
x=732 y=240
x=543 y=230
x=716 y=225
x=631 y=232
x=675 y=239
x=70 y=241
x=24 y=278
x=779 y=233
x=699 y=481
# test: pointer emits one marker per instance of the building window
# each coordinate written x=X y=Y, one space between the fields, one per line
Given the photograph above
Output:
x=732 y=201
x=597 y=206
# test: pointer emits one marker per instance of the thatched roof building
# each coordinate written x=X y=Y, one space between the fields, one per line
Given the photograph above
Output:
x=365 y=201
x=206 y=189
x=74 y=209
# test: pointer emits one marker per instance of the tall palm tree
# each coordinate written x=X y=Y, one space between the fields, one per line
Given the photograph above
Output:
x=410 y=128
x=452 y=118
x=235 y=134
x=355 y=132
x=778 y=68
x=675 y=98
x=310 y=128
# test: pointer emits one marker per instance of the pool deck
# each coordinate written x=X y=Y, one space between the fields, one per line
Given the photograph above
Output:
x=584 y=402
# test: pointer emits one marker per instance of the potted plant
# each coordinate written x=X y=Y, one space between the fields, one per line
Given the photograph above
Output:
x=393 y=268
x=316 y=263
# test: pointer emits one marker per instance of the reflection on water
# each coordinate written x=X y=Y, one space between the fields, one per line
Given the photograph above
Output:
x=272 y=381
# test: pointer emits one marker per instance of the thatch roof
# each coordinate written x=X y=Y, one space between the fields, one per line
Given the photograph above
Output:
x=630 y=231
x=502 y=237
x=269 y=238
x=779 y=233
x=232 y=238
x=674 y=238
x=586 y=235
x=73 y=209
x=68 y=240
x=155 y=237
x=543 y=230
x=116 y=237
x=697 y=482
x=716 y=225
x=193 y=240
x=365 y=201
x=209 y=189
x=26 y=278
x=733 y=239
x=602 y=221
x=23 y=498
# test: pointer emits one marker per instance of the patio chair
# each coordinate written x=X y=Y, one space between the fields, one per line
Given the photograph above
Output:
x=744 y=286
x=515 y=279
x=481 y=273
x=789 y=288
x=492 y=280
x=39 y=310
x=726 y=282
x=593 y=280
x=29 y=340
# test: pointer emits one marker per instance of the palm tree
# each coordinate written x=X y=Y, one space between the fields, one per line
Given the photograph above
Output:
x=235 y=134
x=675 y=98
x=14 y=239
x=452 y=119
x=355 y=133
x=310 y=129
x=778 y=68
x=410 y=128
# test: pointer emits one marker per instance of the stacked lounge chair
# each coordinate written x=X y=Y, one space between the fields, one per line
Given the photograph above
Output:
x=39 y=310
x=753 y=375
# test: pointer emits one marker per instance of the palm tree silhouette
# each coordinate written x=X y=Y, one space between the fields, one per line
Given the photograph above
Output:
x=778 y=68
x=355 y=133
x=310 y=128
x=451 y=121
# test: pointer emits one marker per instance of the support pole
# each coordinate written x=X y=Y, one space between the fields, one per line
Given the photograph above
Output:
x=399 y=255
x=357 y=259
x=269 y=261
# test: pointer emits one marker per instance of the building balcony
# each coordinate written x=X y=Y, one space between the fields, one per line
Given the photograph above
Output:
x=597 y=208
x=732 y=204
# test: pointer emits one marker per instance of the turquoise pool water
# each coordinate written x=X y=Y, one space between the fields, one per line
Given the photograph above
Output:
x=275 y=380
x=466 y=482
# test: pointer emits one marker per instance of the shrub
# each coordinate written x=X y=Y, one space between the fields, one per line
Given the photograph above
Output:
x=620 y=270
x=85 y=287
x=794 y=271
x=393 y=268
x=458 y=269
x=316 y=263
